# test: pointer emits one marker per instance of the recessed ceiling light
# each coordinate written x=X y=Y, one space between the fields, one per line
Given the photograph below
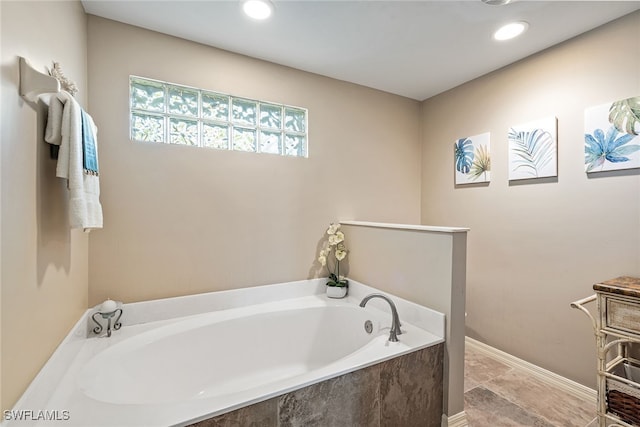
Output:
x=509 y=31
x=496 y=2
x=257 y=9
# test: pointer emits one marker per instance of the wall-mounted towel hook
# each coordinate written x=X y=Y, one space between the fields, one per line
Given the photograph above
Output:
x=33 y=83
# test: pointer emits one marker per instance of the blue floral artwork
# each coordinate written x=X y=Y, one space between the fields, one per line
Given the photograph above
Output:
x=612 y=136
x=533 y=150
x=472 y=159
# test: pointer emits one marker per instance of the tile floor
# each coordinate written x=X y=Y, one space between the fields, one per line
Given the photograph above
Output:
x=500 y=395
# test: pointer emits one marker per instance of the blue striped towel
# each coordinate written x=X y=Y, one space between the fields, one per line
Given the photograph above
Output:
x=89 y=152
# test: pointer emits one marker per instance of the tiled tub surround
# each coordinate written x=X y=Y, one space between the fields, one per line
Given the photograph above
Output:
x=169 y=345
x=405 y=391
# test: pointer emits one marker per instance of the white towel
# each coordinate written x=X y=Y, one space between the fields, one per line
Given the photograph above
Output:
x=64 y=128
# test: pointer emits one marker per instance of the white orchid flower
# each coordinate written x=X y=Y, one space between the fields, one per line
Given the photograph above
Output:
x=340 y=236
x=334 y=239
x=340 y=254
x=323 y=260
x=333 y=228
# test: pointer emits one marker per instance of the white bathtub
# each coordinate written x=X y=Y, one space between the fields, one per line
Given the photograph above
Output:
x=162 y=370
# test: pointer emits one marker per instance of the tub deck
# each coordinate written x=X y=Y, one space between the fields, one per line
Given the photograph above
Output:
x=66 y=382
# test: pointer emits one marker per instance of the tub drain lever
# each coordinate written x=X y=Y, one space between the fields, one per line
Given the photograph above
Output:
x=108 y=310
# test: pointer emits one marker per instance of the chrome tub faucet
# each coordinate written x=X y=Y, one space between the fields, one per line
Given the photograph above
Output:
x=395 y=320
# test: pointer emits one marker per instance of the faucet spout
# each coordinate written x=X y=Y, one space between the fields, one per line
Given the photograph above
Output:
x=395 y=319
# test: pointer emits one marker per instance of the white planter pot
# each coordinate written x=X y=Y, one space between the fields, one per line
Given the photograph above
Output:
x=337 y=291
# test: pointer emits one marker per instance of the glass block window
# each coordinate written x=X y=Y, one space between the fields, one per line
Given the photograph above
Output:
x=166 y=113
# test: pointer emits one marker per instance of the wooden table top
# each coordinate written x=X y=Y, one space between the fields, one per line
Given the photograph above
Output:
x=625 y=285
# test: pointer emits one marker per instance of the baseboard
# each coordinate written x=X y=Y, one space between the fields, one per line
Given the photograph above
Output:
x=457 y=420
x=570 y=387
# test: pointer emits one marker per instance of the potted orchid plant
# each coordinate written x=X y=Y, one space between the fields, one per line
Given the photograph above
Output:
x=333 y=251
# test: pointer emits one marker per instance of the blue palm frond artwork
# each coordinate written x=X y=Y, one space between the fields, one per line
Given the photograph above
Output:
x=472 y=159
x=533 y=150
x=608 y=145
x=464 y=155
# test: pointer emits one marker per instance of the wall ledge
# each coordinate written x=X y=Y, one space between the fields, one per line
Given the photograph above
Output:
x=430 y=228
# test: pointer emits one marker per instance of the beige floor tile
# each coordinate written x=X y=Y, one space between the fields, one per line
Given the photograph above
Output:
x=593 y=423
x=469 y=384
x=479 y=368
x=538 y=397
x=484 y=408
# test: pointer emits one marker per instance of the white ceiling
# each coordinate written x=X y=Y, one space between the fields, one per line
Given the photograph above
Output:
x=414 y=48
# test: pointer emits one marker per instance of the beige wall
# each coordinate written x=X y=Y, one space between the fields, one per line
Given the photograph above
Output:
x=2 y=406
x=536 y=246
x=425 y=267
x=44 y=265
x=182 y=220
